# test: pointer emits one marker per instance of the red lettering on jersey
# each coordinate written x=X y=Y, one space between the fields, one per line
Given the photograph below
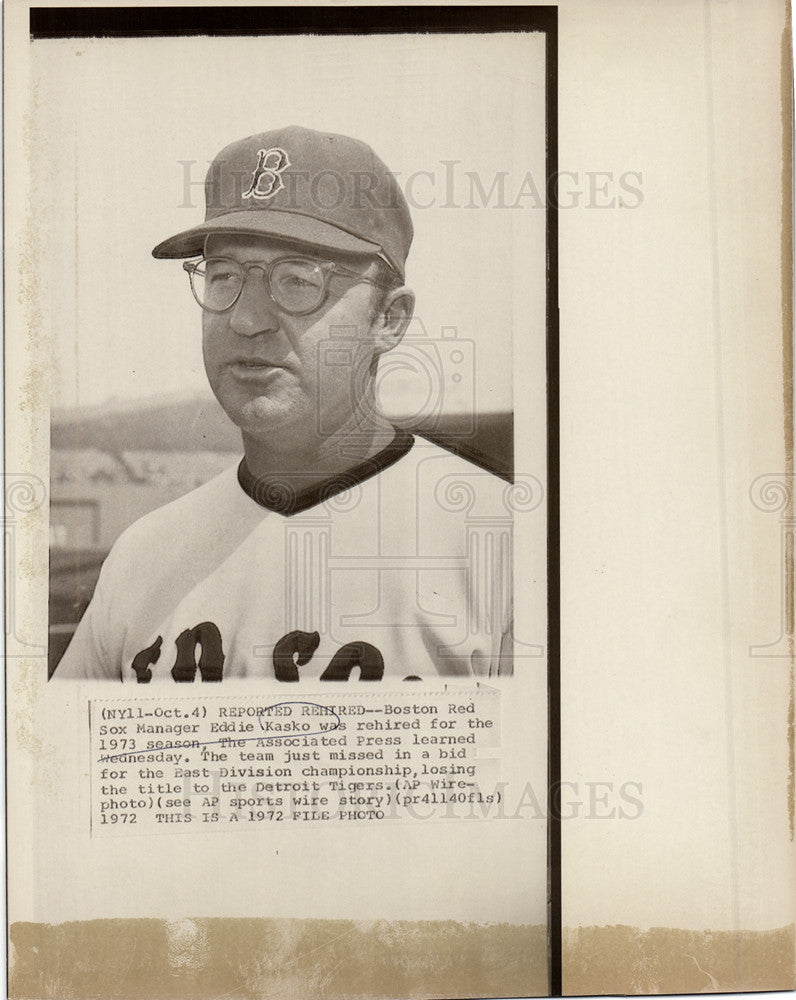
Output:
x=211 y=659
x=355 y=654
x=303 y=643
x=142 y=660
x=293 y=650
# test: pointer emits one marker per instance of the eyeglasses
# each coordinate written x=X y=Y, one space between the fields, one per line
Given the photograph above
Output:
x=297 y=285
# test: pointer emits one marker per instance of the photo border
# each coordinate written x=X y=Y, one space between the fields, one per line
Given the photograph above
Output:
x=152 y=21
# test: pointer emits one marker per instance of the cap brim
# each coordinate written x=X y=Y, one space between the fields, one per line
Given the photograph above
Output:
x=281 y=225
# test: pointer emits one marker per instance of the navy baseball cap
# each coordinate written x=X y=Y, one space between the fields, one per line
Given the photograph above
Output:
x=296 y=184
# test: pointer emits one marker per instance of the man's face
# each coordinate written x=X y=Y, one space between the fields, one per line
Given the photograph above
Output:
x=276 y=374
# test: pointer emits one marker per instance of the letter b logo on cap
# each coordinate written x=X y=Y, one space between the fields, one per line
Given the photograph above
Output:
x=267 y=175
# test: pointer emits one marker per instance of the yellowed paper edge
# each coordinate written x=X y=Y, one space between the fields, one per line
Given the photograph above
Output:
x=215 y=958
x=621 y=959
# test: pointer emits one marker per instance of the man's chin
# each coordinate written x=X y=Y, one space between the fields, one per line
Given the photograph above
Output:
x=262 y=418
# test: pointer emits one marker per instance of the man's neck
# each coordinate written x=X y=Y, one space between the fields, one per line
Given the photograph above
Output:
x=354 y=442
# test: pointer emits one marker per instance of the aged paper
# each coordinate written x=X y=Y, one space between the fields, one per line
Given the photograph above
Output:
x=677 y=658
x=676 y=801
x=251 y=812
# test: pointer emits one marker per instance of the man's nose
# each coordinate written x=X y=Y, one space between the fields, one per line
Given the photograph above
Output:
x=255 y=312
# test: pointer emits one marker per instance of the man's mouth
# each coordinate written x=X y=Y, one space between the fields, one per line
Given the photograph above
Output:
x=248 y=368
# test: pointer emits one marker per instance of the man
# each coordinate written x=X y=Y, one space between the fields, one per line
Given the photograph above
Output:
x=341 y=547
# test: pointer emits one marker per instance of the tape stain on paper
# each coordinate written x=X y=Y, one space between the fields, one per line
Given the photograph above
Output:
x=352 y=960
x=199 y=959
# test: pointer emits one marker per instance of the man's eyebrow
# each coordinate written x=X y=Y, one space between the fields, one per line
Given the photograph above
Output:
x=227 y=250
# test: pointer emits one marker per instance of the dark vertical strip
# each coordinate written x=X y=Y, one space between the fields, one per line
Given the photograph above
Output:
x=4 y=549
x=91 y=781
x=786 y=268
x=553 y=514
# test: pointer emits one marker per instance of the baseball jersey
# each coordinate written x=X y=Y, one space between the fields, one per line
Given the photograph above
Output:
x=399 y=568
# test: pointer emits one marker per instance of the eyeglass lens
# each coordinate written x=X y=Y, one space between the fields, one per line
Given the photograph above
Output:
x=296 y=285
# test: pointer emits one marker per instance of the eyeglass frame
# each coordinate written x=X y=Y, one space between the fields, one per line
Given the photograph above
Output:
x=328 y=269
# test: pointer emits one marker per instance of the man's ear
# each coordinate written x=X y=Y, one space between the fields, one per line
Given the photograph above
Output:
x=390 y=323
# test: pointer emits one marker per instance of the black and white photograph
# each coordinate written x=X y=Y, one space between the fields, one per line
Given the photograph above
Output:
x=399 y=406
x=283 y=436
x=295 y=302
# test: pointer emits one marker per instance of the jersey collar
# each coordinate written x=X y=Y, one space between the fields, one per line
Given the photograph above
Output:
x=278 y=496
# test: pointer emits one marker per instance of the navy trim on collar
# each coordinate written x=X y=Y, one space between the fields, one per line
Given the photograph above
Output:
x=279 y=496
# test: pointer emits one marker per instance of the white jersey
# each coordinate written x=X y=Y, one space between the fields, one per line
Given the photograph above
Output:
x=399 y=569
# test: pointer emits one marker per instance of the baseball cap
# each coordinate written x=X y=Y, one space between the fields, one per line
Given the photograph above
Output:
x=299 y=185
